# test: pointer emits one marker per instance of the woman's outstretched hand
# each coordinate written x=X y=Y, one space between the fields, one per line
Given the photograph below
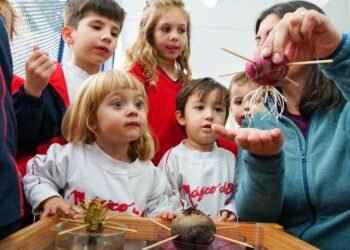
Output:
x=256 y=141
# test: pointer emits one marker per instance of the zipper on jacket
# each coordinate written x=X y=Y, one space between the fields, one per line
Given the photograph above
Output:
x=304 y=168
x=306 y=187
x=303 y=154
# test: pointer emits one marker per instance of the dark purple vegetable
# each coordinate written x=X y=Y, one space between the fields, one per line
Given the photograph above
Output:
x=194 y=227
x=264 y=71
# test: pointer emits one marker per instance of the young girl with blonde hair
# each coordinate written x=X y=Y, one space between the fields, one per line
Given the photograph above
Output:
x=107 y=155
x=159 y=58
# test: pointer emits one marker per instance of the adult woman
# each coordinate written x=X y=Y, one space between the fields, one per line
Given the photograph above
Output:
x=306 y=192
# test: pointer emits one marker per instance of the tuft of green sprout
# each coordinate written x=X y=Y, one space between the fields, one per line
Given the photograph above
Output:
x=95 y=212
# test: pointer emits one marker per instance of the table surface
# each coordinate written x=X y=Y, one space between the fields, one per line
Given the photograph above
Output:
x=41 y=235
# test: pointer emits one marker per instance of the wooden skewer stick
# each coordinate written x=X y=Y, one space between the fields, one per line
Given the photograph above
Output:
x=234 y=241
x=73 y=229
x=310 y=62
x=77 y=210
x=161 y=242
x=159 y=224
x=238 y=55
x=218 y=228
x=292 y=81
x=112 y=216
x=120 y=228
x=73 y=221
x=233 y=73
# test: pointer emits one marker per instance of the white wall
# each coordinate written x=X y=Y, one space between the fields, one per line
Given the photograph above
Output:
x=339 y=12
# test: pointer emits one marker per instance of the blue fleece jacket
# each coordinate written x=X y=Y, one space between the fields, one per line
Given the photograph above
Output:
x=307 y=189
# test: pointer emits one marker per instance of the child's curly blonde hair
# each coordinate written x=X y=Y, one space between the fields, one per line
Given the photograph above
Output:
x=143 y=52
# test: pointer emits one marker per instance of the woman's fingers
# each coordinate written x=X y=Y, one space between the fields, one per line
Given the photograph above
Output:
x=223 y=132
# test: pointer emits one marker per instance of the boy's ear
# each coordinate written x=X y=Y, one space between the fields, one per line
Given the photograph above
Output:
x=180 y=118
x=67 y=34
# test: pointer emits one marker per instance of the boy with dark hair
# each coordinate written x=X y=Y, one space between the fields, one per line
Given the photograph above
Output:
x=197 y=165
x=91 y=30
x=201 y=174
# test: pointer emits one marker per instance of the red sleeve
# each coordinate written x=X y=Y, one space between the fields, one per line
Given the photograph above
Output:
x=137 y=70
x=226 y=144
x=17 y=82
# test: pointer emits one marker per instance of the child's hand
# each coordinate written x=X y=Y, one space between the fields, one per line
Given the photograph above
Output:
x=53 y=206
x=259 y=142
x=39 y=68
x=166 y=216
x=227 y=216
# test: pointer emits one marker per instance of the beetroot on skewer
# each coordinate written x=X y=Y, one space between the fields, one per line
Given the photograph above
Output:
x=264 y=71
x=268 y=74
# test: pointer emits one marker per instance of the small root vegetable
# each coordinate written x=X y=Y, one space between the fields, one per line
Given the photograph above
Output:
x=194 y=227
x=264 y=72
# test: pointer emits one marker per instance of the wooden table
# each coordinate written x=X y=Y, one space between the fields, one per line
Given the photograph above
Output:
x=40 y=235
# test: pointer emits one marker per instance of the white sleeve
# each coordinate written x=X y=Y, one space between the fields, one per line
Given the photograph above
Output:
x=230 y=207
x=46 y=175
x=170 y=167
x=161 y=198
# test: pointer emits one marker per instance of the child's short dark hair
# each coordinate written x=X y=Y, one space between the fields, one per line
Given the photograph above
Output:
x=202 y=87
x=76 y=10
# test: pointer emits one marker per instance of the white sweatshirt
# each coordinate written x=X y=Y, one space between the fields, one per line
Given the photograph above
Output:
x=82 y=172
x=202 y=179
x=74 y=77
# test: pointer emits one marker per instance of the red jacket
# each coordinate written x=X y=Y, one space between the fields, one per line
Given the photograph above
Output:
x=39 y=119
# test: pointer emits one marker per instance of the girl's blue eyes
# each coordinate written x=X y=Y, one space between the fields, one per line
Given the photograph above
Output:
x=139 y=104
x=120 y=104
